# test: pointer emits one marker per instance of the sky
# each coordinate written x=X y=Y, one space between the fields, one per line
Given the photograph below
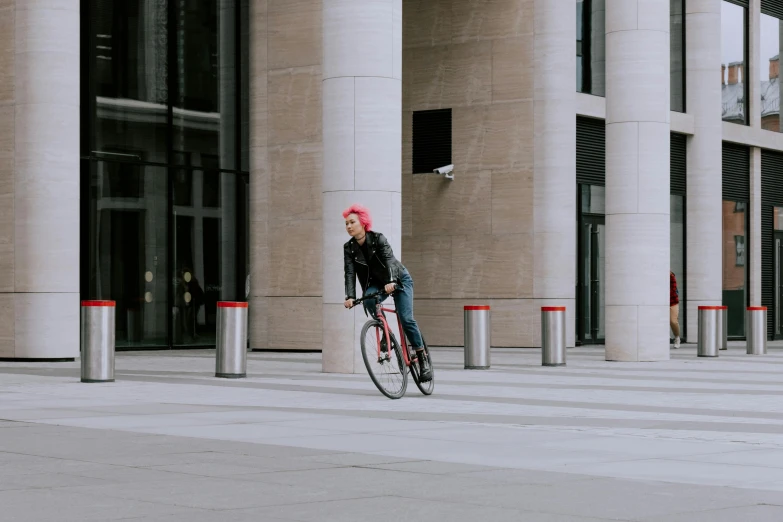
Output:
x=732 y=33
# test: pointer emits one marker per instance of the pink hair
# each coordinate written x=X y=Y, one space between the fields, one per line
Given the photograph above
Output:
x=362 y=213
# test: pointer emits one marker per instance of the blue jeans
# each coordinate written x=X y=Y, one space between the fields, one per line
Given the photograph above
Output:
x=403 y=300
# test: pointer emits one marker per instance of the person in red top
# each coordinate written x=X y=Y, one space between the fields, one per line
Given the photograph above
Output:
x=674 y=308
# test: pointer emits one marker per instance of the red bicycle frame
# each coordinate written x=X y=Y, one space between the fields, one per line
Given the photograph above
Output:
x=404 y=344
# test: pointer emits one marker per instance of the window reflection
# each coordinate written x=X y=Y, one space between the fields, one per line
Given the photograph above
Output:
x=129 y=48
x=733 y=52
x=126 y=251
x=590 y=47
x=205 y=101
x=593 y=199
x=205 y=252
x=167 y=208
x=734 y=264
x=778 y=218
x=769 y=72
x=677 y=49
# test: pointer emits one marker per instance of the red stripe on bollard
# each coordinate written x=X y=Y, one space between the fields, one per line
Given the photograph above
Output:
x=553 y=308
x=757 y=308
x=476 y=308
x=230 y=304
x=712 y=307
x=98 y=303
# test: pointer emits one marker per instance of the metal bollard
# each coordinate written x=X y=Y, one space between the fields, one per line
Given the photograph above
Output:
x=97 y=341
x=709 y=335
x=477 y=337
x=553 y=336
x=231 y=346
x=757 y=330
x=723 y=327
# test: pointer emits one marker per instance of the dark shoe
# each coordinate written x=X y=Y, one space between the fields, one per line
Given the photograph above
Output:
x=425 y=370
x=384 y=347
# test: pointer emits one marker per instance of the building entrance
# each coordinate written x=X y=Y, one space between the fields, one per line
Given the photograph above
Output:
x=778 y=287
x=591 y=287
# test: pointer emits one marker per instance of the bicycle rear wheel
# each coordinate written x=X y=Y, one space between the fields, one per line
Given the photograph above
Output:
x=386 y=370
x=425 y=387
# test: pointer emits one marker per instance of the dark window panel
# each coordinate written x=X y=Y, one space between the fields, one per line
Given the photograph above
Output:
x=591 y=47
x=431 y=140
x=677 y=47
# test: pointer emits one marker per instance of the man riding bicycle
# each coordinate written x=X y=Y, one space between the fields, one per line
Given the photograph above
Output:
x=368 y=256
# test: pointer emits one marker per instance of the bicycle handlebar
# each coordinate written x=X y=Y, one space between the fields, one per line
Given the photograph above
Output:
x=371 y=296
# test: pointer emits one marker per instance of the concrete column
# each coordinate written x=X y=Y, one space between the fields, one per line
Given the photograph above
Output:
x=362 y=133
x=554 y=262
x=40 y=176
x=704 y=214
x=755 y=226
x=637 y=180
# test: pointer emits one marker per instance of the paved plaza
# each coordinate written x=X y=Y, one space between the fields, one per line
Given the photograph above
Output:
x=684 y=440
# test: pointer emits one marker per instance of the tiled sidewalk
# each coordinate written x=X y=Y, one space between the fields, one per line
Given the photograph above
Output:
x=685 y=440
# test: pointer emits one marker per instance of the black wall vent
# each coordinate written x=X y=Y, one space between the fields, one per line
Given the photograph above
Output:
x=736 y=172
x=590 y=151
x=771 y=197
x=431 y=140
x=743 y=3
x=772 y=8
x=678 y=164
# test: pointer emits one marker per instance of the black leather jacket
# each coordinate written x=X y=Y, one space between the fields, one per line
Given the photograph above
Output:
x=382 y=266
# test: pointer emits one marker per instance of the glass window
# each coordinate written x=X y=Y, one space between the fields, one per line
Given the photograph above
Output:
x=733 y=54
x=778 y=218
x=593 y=199
x=734 y=265
x=244 y=53
x=168 y=208
x=769 y=72
x=590 y=47
x=128 y=86
x=205 y=95
x=677 y=49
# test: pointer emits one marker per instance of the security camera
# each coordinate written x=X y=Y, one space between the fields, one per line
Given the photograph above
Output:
x=446 y=171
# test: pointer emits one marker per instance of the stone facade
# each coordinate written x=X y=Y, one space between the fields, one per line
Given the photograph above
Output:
x=285 y=174
x=471 y=240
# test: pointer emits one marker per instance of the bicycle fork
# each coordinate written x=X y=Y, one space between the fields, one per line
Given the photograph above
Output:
x=381 y=341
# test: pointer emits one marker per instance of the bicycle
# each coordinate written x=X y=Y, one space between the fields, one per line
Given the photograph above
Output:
x=376 y=337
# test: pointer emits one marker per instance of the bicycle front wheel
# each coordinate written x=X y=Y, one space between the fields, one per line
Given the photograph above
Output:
x=384 y=363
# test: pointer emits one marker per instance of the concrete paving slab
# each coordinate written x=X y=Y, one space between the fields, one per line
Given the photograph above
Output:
x=395 y=509
x=682 y=439
x=46 y=505
x=690 y=472
x=216 y=493
x=744 y=514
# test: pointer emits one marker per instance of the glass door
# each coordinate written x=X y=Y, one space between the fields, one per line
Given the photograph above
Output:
x=778 y=271
x=735 y=256
x=126 y=255
x=591 y=274
x=208 y=250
